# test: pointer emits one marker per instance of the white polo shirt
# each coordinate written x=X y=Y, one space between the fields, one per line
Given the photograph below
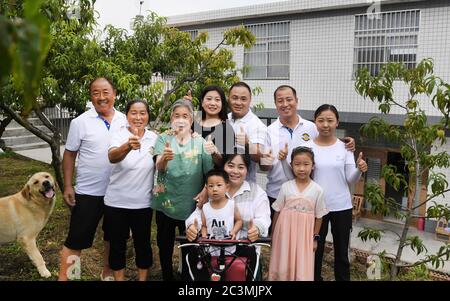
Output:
x=278 y=136
x=256 y=132
x=131 y=182
x=89 y=136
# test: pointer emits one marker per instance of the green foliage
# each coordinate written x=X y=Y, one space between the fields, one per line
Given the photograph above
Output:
x=438 y=210
x=78 y=54
x=416 y=244
x=416 y=137
x=24 y=43
x=396 y=180
x=369 y=234
x=419 y=272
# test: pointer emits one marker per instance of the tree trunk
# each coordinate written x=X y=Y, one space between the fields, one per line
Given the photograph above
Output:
x=56 y=160
x=394 y=268
x=415 y=199
x=53 y=141
x=3 y=124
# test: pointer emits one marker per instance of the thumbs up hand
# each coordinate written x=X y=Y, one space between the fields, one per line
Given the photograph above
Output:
x=267 y=158
x=188 y=96
x=252 y=232
x=168 y=152
x=134 y=142
x=192 y=231
x=362 y=165
x=209 y=146
x=241 y=137
x=282 y=154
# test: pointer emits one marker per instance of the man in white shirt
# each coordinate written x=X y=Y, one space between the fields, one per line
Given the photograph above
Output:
x=250 y=131
x=288 y=127
x=89 y=139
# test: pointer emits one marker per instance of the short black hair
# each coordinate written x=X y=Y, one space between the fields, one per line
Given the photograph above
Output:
x=241 y=84
x=284 y=87
x=217 y=173
x=101 y=78
x=223 y=112
x=326 y=107
x=134 y=101
x=245 y=157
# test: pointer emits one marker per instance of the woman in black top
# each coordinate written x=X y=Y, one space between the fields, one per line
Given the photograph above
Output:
x=213 y=125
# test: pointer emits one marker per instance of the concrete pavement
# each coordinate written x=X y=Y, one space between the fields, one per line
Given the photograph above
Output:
x=40 y=154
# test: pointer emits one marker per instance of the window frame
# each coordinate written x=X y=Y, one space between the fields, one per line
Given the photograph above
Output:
x=267 y=40
x=381 y=37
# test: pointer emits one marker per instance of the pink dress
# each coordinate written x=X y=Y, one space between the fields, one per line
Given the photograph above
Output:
x=292 y=254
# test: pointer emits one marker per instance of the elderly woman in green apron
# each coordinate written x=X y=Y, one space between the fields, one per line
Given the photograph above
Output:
x=182 y=162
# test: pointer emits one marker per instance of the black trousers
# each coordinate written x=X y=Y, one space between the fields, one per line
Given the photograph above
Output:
x=165 y=238
x=272 y=212
x=119 y=221
x=341 y=225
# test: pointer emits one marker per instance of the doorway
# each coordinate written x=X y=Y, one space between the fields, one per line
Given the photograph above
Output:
x=399 y=196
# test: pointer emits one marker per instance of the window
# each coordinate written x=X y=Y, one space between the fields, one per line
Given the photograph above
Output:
x=385 y=37
x=269 y=57
x=193 y=33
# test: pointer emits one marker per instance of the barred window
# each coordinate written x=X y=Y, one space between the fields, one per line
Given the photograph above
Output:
x=193 y=33
x=386 y=37
x=269 y=57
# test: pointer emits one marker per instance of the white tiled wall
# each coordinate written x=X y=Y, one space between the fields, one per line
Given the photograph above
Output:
x=322 y=56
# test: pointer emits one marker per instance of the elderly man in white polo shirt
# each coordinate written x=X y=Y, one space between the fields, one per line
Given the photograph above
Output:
x=250 y=131
x=88 y=138
x=288 y=127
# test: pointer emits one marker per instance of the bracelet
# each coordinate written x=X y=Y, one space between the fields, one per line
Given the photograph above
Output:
x=316 y=237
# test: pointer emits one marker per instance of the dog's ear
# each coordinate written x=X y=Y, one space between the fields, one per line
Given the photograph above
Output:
x=26 y=191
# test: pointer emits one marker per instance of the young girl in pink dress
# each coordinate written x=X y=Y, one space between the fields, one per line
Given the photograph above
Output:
x=298 y=215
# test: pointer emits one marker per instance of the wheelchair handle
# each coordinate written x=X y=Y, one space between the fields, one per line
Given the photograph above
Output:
x=262 y=241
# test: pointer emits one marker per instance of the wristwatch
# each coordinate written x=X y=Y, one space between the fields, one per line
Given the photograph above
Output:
x=316 y=237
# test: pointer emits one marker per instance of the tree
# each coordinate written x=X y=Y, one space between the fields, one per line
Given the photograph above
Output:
x=416 y=137
x=24 y=43
x=79 y=54
x=155 y=48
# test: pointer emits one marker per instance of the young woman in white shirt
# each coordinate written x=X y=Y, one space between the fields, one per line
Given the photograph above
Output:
x=334 y=171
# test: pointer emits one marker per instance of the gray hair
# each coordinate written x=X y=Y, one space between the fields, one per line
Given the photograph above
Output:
x=182 y=103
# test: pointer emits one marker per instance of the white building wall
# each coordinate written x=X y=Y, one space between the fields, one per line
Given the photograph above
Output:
x=321 y=60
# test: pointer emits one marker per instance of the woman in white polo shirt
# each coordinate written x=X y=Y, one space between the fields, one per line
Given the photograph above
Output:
x=127 y=199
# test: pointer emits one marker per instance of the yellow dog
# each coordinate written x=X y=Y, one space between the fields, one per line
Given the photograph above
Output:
x=24 y=214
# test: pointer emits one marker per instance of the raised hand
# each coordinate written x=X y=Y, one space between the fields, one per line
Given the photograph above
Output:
x=241 y=137
x=252 y=232
x=168 y=152
x=134 y=142
x=268 y=158
x=282 y=154
x=192 y=231
x=209 y=146
x=188 y=96
x=362 y=165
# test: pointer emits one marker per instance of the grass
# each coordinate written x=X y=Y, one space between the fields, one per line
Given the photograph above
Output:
x=15 y=264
